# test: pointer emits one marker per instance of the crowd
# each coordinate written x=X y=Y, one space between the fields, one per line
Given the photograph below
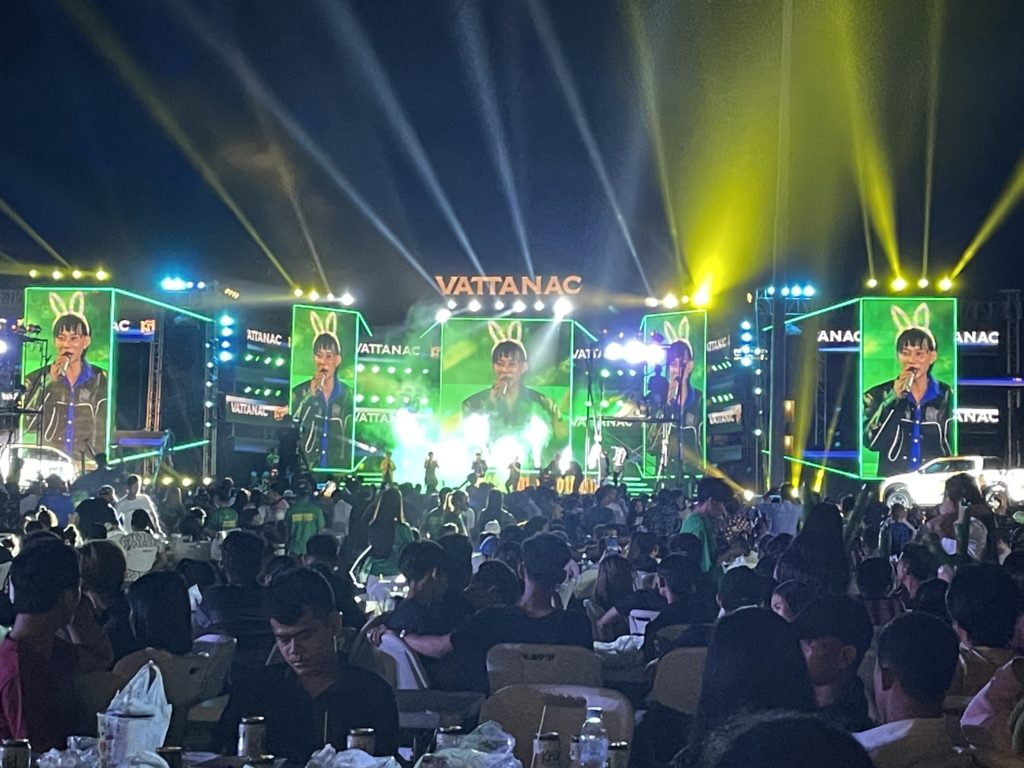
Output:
x=837 y=632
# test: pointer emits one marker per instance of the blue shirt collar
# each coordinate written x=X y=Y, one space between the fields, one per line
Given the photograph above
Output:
x=84 y=377
x=931 y=392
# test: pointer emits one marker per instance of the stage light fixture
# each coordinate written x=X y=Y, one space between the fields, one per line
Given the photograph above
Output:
x=33 y=273
x=872 y=282
x=499 y=305
x=613 y=351
x=314 y=296
x=758 y=391
x=945 y=284
x=330 y=296
x=452 y=303
x=518 y=306
x=684 y=299
x=670 y=301
x=391 y=369
x=809 y=291
x=605 y=373
x=208 y=404
x=746 y=336
x=57 y=274
x=562 y=307
x=538 y=305
x=101 y=274
x=279 y=362
x=390 y=399
x=745 y=325
x=297 y=293
x=655 y=354
x=375 y=369
x=746 y=362
x=347 y=299
x=796 y=291
x=76 y=274
x=474 y=305
x=173 y=284
x=922 y=283
x=442 y=315
x=899 y=284
x=407 y=371
x=771 y=290
x=785 y=290
x=202 y=287
x=225 y=344
x=226 y=320
x=634 y=352
x=758 y=432
x=225 y=356
x=186 y=482
x=651 y=302
x=360 y=398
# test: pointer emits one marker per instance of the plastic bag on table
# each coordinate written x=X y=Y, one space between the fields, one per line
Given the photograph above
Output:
x=136 y=720
x=488 y=746
x=328 y=757
x=623 y=644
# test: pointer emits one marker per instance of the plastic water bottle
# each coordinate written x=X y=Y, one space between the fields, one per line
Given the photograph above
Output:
x=593 y=741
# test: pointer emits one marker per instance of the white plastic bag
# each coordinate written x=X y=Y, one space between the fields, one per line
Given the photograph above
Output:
x=136 y=720
x=328 y=757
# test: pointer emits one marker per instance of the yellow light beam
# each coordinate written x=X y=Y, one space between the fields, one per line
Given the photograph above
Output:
x=27 y=228
x=108 y=45
x=935 y=25
x=1012 y=194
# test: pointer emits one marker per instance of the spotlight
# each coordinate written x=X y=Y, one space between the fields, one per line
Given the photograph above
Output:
x=945 y=284
x=613 y=351
x=872 y=282
x=3 y=347
x=809 y=291
x=225 y=356
x=442 y=315
x=899 y=284
x=796 y=291
x=785 y=290
x=297 y=293
x=670 y=301
x=922 y=283
x=452 y=304
x=76 y=274
x=746 y=336
x=758 y=391
x=33 y=273
x=758 y=432
x=651 y=302
x=101 y=274
x=58 y=275
x=562 y=307
x=314 y=296
x=202 y=286
x=226 y=320
x=634 y=352
x=330 y=296
x=684 y=300
x=538 y=305
x=499 y=305
x=655 y=354
x=347 y=299
x=519 y=306
x=172 y=284
x=474 y=305
x=771 y=290
x=745 y=325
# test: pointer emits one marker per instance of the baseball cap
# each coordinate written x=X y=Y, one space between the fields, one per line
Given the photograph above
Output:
x=493 y=527
x=489 y=545
x=836 y=616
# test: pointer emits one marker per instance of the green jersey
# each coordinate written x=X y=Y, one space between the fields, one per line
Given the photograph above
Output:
x=303 y=520
x=222 y=519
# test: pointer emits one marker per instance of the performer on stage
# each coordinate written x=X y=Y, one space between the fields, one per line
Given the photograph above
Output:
x=430 y=473
x=678 y=440
x=479 y=467
x=323 y=405
x=907 y=419
x=70 y=393
x=387 y=469
x=515 y=470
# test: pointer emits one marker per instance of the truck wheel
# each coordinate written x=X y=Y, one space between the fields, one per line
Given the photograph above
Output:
x=898 y=494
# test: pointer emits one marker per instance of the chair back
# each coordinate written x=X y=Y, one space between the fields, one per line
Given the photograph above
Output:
x=639 y=619
x=520 y=710
x=409 y=672
x=661 y=640
x=509 y=663
x=677 y=682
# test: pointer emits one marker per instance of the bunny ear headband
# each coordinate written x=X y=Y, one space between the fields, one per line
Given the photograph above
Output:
x=678 y=333
x=75 y=307
x=513 y=333
x=325 y=327
x=919 y=321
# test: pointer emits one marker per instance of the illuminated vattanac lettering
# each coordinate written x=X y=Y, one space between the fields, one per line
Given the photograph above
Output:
x=509 y=285
x=396 y=350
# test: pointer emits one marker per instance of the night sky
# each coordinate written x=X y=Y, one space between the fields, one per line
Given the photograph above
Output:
x=84 y=162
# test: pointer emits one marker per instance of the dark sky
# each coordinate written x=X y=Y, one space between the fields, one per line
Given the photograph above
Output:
x=85 y=163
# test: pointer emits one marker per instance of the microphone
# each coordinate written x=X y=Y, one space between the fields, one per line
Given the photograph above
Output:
x=67 y=364
x=913 y=378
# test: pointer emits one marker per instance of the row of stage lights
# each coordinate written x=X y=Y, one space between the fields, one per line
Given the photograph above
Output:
x=561 y=308
x=346 y=299
x=75 y=274
x=900 y=283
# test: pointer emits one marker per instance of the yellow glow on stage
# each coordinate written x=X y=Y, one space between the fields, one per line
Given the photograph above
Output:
x=922 y=283
x=899 y=284
x=1012 y=194
x=702 y=296
x=945 y=284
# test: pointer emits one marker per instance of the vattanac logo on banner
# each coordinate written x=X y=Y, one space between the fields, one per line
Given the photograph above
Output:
x=509 y=285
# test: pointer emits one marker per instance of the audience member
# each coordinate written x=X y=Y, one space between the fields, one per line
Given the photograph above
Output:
x=142 y=536
x=791 y=597
x=322 y=555
x=97 y=516
x=875 y=582
x=103 y=568
x=914 y=567
x=493 y=584
x=303 y=520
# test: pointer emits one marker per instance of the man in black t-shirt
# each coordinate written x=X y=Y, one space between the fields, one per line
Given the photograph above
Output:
x=531 y=620
x=97 y=515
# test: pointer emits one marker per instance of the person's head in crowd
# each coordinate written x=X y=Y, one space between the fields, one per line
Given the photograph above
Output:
x=70 y=536
x=46 y=518
x=983 y=602
x=55 y=484
x=676 y=577
x=459 y=501
x=615 y=580
x=161 y=614
x=102 y=564
x=193 y=522
x=536 y=524
x=242 y=499
x=32 y=526
x=742 y=587
x=685 y=544
x=494 y=501
x=489 y=544
x=242 y=557
x=713 y=497
x=304 y=621
x=931 y=599
x=642 y=549
x=820 y=542
x=106 y=493
x=780 y=739
x=459 y=553
x=914 y=566
x=916 y=659
x=424 y=565
x=141 y=521
x=605 y=495
x=791 y=597
x=387 y=515
x=738 y=678
x=196 y=573
x=898 y=512
x=321 y=548
x=835 y=632
x=874 y=578
x=544 y=559
x=961 y=489
x=510 y=553
x=275 y=565
x=494 y=583
x=45 y=583
x=132 y=483
x=513 y=533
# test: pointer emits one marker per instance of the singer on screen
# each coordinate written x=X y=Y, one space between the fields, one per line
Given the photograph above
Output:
x=323 y=405
x=70 y=393
x=509 y=405
x=907 y=419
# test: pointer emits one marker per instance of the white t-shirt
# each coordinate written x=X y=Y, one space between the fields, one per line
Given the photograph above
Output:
x=342 y=513
x=126 y=506
x=919 y=743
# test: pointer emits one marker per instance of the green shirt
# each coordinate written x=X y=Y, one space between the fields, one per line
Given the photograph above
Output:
x=222 y=519
x=700 y=527
x=303 y=520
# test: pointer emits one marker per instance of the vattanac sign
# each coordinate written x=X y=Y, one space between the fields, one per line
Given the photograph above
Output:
x=509 y=285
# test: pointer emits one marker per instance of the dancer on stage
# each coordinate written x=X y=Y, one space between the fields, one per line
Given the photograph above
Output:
x=678 y=440
x=387 y=469
x=515 y=470
x=430 y=473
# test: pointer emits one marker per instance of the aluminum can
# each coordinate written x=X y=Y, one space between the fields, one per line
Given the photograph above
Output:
x=361 y=738
x=171 y=756
x=15 y=753
x=547 y=750
x=252 y=733
x=448 y=738
x=574 y=752
x=618 y=754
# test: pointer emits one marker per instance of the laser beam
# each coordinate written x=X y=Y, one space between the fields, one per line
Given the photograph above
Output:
x=28 y=229
x=1012 y=194
x=935 y=24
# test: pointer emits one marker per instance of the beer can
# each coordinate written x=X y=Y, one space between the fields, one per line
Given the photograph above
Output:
x=262 y=761
x=574 y=752
x=432 y=761
x=361 y=738
x=252 y=732
x=618 y=754
x=448 y=737
x=547 y=750
x=171 y=756
x=15 y=753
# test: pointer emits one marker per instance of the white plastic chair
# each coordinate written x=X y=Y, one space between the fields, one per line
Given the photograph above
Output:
x=520 y=709
x=408 y=670
x=510 y=663
x=677 y=682
x=639 y=619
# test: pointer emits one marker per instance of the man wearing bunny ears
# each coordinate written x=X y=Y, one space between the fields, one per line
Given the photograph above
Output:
x=906 y=419
x=323 y=404
x=70 y=393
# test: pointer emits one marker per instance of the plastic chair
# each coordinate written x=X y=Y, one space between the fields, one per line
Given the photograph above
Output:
x=585 y=584
x=677 y=682
x=408 y=670
x=639 y=619
x=141 y=559
x=510 y=663
x=520 y=710
x=657 y=643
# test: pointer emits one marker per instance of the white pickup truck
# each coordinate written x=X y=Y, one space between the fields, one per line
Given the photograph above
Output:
x=1002 y=488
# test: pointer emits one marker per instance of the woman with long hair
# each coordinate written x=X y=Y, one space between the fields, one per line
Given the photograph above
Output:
x=388 y=535
x=494 y=511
